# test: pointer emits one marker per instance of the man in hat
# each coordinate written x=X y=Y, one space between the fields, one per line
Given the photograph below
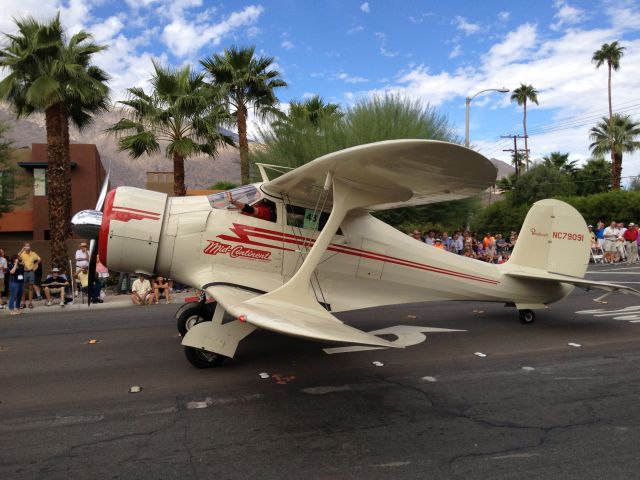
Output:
x=630 y=239
x=54 y=284
x=31 y=261
x=82 y=257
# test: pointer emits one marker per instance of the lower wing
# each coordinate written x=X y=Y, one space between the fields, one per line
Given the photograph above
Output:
x=289 y=318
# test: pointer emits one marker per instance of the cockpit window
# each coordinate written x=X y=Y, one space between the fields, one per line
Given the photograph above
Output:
x=245 y=194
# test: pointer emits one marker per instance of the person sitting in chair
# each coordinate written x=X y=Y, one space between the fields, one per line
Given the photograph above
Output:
x=161 y=287
x=55 y=284
x=94 y=291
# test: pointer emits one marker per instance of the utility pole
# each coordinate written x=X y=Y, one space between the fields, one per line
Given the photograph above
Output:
x=515 y=151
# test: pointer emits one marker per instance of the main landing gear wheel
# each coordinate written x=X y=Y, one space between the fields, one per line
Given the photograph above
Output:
x=194 y=314
x=527 y=316
x=203 y=359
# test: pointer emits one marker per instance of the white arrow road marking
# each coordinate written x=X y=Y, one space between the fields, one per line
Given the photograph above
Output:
x=631 y=314
x=408 y=335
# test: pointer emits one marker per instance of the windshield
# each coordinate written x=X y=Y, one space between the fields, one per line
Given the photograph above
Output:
x=245 y=194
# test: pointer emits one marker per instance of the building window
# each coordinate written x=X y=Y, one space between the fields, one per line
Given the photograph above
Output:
x=7 y=185
x=39 y=182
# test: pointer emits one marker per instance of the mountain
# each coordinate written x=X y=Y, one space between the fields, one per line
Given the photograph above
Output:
x=504 y=169
x=201 y=172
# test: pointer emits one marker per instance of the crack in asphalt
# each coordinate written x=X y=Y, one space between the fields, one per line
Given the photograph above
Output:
x=453 y=413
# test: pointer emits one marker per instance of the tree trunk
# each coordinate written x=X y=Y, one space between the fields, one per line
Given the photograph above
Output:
x=526 y=145
x=244 y=144
x=616 y=170
x=64 y=119
x=178 y=176
x=57 y=191
x=610 y=107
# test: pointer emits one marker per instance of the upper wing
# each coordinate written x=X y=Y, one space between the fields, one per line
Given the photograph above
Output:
x=414 y=172
x=578 y=282
x=289 y=318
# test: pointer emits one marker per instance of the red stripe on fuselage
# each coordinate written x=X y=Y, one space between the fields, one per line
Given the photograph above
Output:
x=243 y=232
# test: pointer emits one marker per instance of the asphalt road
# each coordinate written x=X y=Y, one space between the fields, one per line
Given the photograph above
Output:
x=533 y=407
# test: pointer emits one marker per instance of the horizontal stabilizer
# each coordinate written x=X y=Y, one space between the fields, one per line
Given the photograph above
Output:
x=578 y=282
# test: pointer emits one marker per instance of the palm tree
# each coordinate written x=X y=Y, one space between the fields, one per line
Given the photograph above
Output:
x=611 y=54
x=309 y=116
x=560 y=161
x=616 y=136
x=521 y=95
x=248 y=82
x=49 y=73
x=182 y=115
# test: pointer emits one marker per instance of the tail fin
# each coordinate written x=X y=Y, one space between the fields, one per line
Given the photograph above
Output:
x=554 y=237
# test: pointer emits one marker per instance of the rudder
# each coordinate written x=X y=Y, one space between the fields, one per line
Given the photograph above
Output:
x=554 y=237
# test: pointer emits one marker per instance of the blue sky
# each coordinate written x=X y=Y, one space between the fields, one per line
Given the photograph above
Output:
x=438 y=52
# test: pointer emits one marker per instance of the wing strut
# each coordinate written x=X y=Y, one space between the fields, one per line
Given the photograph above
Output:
x=291 y=309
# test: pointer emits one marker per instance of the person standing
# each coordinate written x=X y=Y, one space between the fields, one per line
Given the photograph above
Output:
x=30 y=260
x=16 y=284
x=4 y=267
x=630 y=240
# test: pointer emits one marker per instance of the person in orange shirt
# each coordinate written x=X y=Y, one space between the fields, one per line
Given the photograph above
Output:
x=438 y=244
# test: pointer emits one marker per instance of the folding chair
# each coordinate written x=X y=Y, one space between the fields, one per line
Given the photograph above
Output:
x=597 y=254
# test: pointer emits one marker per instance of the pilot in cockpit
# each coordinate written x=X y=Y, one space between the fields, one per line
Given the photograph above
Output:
x=264 y=209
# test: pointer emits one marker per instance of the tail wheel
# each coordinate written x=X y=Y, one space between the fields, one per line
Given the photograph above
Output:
x=203 y=359
x=193 y=315
x=527 y=316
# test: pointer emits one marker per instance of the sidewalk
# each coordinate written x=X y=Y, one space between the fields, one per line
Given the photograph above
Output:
x=111 y=301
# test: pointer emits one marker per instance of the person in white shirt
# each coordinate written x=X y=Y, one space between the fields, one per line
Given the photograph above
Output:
x=611 y=235
x=82 y=257
x=141 y=291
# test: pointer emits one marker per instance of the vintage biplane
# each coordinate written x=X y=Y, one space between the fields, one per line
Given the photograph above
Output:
x=325 y=253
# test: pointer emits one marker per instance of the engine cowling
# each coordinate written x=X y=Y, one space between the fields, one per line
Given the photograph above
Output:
x=131 y=229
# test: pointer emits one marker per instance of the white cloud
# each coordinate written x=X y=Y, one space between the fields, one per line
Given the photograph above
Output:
x=420 y=18
x=185 y=37
x=624 y=14
x=566 y=15
x=456 y=52
x=308 y=95
x=350 y=79
x=107 y=29
x=382 y=37
x=356 y=29
x=467 y=27
x=287 y=44
x=516 y=46
x=504 y=16
x=365 y=7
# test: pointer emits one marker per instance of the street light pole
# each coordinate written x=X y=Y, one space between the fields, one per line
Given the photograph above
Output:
x=468 y=104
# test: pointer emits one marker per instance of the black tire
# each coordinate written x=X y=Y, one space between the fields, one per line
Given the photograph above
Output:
x=203 y=359
x=194 y=314
x=527 y=316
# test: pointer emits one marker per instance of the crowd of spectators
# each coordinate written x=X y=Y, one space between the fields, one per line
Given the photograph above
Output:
x=491 y=248
x=22 y=283
x=614 y=242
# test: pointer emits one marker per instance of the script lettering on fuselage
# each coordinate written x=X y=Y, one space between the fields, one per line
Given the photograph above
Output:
x=236 y=251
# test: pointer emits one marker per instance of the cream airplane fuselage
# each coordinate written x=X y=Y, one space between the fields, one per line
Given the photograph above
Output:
x=368 y=263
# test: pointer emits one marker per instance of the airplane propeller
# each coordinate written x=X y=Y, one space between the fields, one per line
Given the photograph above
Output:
x=86 y=224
